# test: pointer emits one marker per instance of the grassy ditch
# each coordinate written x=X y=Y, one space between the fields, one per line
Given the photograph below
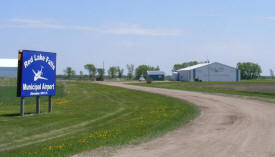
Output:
x=86 y=116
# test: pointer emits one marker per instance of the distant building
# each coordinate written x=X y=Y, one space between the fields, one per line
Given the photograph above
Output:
x=207 y=72
x=8 y=67
x=156 y=75
x=175 y=76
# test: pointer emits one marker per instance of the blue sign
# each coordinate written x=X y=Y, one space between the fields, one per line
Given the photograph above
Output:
x=37 y=73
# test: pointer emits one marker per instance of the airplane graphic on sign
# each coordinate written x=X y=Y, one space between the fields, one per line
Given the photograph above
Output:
x=37 y=75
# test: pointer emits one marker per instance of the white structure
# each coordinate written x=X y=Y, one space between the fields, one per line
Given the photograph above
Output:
x=207 y=72
x=175 y=76
x=8 y=67
x=141 y=78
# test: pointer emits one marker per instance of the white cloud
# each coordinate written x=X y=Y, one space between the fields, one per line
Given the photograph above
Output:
x=126 y=29
x=35 y=24
x=137 y=30
x=127 y=43
x=272 y=18
x=29 y=23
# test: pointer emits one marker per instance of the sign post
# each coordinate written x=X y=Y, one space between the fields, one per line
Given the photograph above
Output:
x=22 y=106
x=50 y=104
x=38 y=105
x=36 y=77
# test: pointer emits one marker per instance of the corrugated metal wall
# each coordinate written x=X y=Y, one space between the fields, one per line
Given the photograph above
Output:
x=212 y=72
x=8 y=72
x=157 y=77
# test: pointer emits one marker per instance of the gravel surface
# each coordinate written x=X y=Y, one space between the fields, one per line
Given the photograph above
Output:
x=227 y=127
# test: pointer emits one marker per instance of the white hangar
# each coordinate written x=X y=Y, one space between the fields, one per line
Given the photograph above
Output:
x=207 y=72
x=8 y=67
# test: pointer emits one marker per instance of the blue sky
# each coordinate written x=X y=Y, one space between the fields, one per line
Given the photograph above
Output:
x=154 y=32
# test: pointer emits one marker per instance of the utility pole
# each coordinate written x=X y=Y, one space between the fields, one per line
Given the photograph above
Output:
x=103 y=68
x=208 y=62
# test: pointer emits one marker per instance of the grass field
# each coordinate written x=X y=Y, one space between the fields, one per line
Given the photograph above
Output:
x=255 y=88
x=85 y=116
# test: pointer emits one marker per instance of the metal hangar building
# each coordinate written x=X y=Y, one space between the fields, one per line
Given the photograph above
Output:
x=207 y=72
x=156 y=75
x=8 y=67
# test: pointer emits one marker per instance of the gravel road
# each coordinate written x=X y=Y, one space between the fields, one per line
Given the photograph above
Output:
x=227 y=127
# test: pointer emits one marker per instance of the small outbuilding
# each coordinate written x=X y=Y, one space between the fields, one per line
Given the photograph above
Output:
x=207 y=72
x=8 y=67
x=156 y=75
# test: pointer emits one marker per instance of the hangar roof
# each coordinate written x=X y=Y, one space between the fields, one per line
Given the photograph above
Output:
x=155 y=72
x=194 y=67
x=8 y=63
x=201 y=65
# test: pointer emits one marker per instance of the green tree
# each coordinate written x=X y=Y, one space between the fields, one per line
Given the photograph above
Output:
x=92 y=71
x=120 y=72
x=184 y=65
x=112 y=72
x=142 y=70
x=249 y=70
x=100 y=72
x=157 y=68
x=69 y=72
x=130 y=68
x=272 y=74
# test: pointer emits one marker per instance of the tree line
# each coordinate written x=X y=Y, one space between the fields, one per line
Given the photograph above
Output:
x=113 y=72
x=248 y=71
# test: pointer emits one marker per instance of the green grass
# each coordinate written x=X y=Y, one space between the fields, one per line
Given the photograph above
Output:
x=254 y=88
x=86 y=116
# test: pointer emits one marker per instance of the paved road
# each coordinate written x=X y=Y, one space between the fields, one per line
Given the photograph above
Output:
x=228 y=127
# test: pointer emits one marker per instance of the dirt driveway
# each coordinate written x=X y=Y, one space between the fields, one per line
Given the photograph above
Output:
x=227 y=127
